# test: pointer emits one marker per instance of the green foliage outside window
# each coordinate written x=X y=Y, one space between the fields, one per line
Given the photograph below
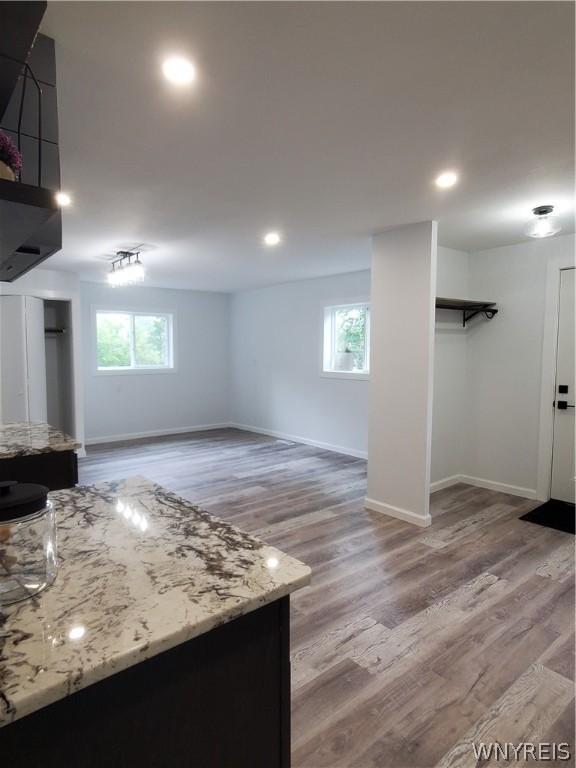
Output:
x=113 y=340
x=125 y=340
x=150 y=340
x=351 y=334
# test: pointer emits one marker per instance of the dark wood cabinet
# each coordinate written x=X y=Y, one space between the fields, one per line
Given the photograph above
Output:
x=221 y=700
x=55 y=470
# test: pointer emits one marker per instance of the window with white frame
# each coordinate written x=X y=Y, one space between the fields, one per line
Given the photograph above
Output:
x=347 y=340
x=133 y=341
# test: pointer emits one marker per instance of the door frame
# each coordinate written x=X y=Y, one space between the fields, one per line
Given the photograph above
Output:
x=557 y=262
x=27 y=287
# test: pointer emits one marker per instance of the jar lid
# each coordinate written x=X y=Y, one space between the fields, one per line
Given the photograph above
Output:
x=21 y=499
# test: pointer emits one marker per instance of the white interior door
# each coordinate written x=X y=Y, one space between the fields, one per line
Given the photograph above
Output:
x=563 y=458
x=22 y=359
x=13 y=359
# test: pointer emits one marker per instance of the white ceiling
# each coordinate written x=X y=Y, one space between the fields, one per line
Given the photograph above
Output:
x=328 y=121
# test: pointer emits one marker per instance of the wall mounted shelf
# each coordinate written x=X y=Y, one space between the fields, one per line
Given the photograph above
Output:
x=468 y=307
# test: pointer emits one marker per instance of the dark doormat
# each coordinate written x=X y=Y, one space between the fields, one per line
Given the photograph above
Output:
x=553 y=514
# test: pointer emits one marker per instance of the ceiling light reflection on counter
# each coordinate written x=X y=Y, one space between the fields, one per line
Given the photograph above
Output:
x=76 y=633
x=132 y=515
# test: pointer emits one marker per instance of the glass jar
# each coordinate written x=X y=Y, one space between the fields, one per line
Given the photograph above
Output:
x=28 y=556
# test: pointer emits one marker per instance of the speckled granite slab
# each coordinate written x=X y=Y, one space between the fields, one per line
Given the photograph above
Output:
x=25 y=438
x=141 y=571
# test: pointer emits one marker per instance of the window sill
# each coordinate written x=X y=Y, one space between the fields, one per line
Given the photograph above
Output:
x=350 y=375
x=131 y=371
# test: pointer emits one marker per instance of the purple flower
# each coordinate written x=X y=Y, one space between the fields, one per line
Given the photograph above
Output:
x=9 y=153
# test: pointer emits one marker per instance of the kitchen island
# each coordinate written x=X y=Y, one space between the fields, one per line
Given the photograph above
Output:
x=35 y=452
x=163 y=642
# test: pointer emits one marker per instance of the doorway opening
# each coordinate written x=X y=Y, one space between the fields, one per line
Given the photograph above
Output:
x=59 y=364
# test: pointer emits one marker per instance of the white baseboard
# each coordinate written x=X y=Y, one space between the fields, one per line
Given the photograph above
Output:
x=152 y=433
x=402 y=514
x=245 y=427
x=480 y=482
x=446 y=482
x=492 y=485
x=305 y=440
x=398 y=512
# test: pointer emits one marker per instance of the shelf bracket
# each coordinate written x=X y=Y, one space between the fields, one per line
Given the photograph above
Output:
x=488 y=314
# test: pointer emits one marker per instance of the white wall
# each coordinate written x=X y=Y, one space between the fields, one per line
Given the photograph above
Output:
x=276 y=343
x=276 y=354
x=47 y=283
x=402 y=309
x=487 y=408
x=450 y=405
x=194 y=395
x=505 y=361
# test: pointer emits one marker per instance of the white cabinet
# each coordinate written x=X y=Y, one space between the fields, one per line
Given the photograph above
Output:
x=22 y=359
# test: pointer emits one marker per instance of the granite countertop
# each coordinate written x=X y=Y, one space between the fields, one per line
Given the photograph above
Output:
x=26 y=438
x=141 y=571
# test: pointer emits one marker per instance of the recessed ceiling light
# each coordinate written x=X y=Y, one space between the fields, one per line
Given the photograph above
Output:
x=272 y=238
x=63 y=199
x=179 y=71
x=446 y=179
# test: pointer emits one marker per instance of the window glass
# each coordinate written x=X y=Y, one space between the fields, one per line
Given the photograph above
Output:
x=351 y=338
x=113 y=335
x=133 y=340
x=151 y=340
x=346 y=339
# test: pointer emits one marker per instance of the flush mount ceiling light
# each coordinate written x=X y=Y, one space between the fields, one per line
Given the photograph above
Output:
x=446 y=179
x=63 y=199
x=272 y=238
x=544 y=224
x=179 y=70
x=127 y=269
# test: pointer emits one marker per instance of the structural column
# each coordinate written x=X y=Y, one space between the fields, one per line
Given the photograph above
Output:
x=401 y=371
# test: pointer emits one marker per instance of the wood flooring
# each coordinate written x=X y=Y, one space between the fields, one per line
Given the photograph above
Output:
x=410 y=644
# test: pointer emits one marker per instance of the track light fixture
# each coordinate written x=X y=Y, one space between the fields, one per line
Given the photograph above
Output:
x=127 y=269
